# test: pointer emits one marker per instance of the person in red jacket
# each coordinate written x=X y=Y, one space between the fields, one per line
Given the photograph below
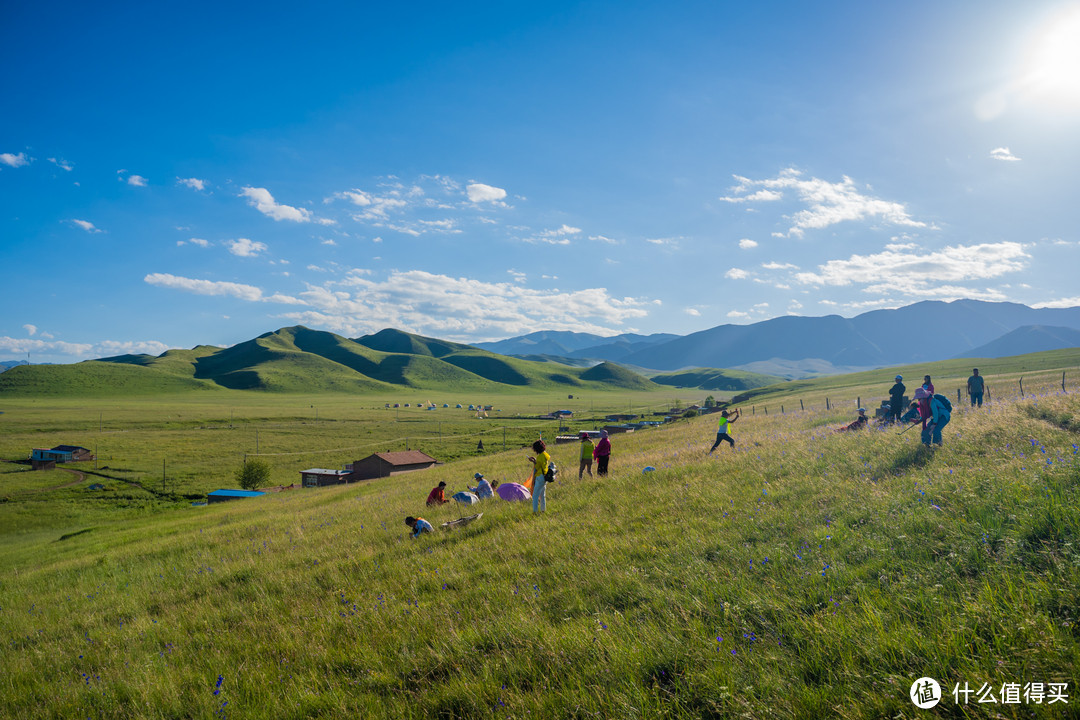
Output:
x=602 y=453
x=437 y=496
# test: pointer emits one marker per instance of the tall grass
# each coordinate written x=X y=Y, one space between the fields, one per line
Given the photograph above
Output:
x=803 y=574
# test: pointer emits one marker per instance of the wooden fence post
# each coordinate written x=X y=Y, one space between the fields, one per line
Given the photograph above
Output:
x=766 y=409
x=801 y=405
x=957 y=396
x=827 y=404
x=1063 y=383
x=858 y=402
x=1021 y=386
x=781 y=409
x=753 y=409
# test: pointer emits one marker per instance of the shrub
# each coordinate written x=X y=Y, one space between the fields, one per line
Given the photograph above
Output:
x=253 y=473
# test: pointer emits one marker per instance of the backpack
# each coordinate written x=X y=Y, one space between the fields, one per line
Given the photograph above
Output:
x=549 y=476
x=944 y=401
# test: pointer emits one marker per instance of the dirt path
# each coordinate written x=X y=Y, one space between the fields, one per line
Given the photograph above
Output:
x=80 y=476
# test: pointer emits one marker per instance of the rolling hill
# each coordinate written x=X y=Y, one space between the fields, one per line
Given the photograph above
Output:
x=299 y=359
x=714 y=379
x=1028 y=339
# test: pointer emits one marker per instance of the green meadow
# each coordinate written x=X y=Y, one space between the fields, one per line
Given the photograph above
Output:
x=804 y=574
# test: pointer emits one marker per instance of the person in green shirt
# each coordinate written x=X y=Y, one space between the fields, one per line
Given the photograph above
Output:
x=726 y=419
x=587 y=448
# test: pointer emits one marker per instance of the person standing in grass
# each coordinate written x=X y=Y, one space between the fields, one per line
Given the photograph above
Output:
x=587 y=448
x=540 y=470
x=928 y=386
x=896 y=398
x=602 y=454
x=976 y=385
x=722 y=433
x=419 y=525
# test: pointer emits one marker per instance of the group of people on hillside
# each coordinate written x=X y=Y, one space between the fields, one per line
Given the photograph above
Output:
x=543 y=472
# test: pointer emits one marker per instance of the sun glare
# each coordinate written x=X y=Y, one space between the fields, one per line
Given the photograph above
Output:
x=1053 y=69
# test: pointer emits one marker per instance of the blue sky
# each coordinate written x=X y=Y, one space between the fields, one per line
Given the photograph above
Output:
x=201 y=173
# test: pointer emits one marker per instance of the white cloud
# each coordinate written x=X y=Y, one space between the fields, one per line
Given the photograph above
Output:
x=263 y=201
x=761 y=306
x=245 y=247
x=738 y=315
x=736 y=274
x=759 y=196
x=478 y=193
x=951 y=264
x=137 y=181
x=87 y=226
x=826 y=203
x=12 y=160
x=199 y=241
x=604 y=239
x=30 y=329
x=693 y=312
x=519 y=277
x=330 y=242
x=560 y=236
x=205 y=287
x=193 y=183
x=747 y=243
x=666 y=242
x=1060 y=303
x=773 y=265
x=794 y=305
x=1003 y=153
x=62 y=164
x=461 y=308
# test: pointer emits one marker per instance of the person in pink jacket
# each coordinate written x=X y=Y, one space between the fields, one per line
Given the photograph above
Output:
x=602 y=453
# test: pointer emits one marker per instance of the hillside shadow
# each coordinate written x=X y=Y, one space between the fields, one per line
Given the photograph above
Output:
x=914 y=457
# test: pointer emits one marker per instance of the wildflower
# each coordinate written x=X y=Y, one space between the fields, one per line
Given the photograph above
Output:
x=217 y=688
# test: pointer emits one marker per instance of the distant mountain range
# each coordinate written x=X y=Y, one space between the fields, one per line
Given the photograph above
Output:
x=301 y=359
x=298 y=359
x=921 y=332
x=7 y=364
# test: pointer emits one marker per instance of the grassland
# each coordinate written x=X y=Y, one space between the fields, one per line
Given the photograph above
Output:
x=804 y=574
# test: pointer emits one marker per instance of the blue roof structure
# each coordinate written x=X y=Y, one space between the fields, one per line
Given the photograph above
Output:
x=237 y=493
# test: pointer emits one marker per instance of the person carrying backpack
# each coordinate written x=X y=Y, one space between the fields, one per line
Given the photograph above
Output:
x=940 y=415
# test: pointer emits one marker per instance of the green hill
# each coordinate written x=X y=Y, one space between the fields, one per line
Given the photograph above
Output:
x=611 y=374
x=298 y=359
x=714 y=379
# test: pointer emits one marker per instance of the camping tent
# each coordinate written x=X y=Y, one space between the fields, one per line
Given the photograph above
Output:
x=513 y=491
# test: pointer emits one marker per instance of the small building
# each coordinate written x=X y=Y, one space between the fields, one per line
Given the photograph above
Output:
x=614 y=429
x=61 y=454
x=320 y=477
x=385 y=464
x=621 y=418
x=226 y=495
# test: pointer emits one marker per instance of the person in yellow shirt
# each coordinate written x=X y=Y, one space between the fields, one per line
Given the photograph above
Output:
x=587 y=448
x=540 y=469
x=722 y=433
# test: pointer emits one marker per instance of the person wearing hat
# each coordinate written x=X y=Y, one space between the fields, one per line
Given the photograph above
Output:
x=940 y=415
x=587 y=448
x=858 y=424
x=976 y=385
x=419 y=525
x=483 y=488
x=896 y=398
x=437 y=495
x=602 y=453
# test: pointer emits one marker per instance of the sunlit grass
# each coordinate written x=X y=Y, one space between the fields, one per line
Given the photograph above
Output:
x=803 y=574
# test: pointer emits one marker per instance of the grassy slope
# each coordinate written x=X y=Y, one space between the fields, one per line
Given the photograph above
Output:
x=714 y=379
x=948 y=375
x=805 y=574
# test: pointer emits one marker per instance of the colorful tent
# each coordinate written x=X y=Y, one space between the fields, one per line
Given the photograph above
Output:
x=513 y=491
x=466 y=498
